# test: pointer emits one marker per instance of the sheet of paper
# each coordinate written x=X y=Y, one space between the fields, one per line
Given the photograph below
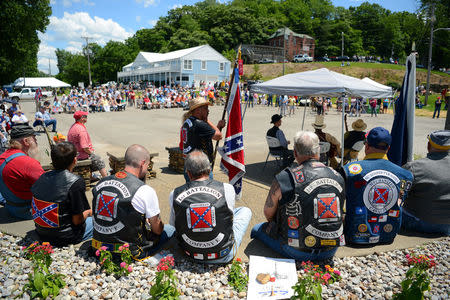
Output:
x=284 y=272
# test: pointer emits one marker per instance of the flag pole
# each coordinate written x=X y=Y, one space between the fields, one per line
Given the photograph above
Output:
x=238 y=56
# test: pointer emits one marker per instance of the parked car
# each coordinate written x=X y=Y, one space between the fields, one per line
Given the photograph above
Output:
x=344 y=57
x=266 y=61
x=302 y=58
x=323 y=58
x=28 y=94
x=304 y=102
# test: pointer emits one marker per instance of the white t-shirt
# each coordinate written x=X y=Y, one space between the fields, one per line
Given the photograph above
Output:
x=230 y=196
x=146 y=202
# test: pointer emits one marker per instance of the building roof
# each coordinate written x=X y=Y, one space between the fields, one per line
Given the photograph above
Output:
x=158 y=57
x=288 y=32
x=40 y=82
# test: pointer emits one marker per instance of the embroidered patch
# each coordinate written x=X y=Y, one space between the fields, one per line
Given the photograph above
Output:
x=212 y=256
x=380 y=195
x=293 y=234
x=299 y=177
x=293 y=242
x=326 y=207
x=224 y=252
x=342 y=240
x=198 y=256
x=355 y=168
x=394 y=213
x=374 y=239
x=328 y=242
x=45 y=213
x=310 y=241
x=293 y=222
x=121 y=174
x=387 y=228
x=106 y=206
x=376 y=229
x=294 y=208
x=201 y=217
x=360 y=210
x=372 y=219
x=362 y=227
x=382 y=218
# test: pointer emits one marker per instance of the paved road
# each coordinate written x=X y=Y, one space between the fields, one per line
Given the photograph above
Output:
x=156 y=129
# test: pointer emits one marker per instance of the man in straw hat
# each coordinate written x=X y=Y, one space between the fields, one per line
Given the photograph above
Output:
x=198 y=131
x=427 y=207
x=354 y=140
x=328 y=157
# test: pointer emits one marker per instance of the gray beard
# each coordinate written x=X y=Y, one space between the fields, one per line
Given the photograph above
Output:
x=33 y=153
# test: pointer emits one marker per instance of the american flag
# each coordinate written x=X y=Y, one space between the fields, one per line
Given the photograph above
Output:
x=232 y=151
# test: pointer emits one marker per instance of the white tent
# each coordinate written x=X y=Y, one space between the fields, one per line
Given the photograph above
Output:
x=321 y=82
x=40 y=82
x=377 y=84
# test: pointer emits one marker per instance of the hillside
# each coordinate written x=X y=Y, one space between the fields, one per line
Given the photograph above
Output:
x=382 y=73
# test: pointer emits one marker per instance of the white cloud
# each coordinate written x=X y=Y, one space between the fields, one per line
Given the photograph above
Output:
x=71 y=27
x=152 y=22
x=68 y=30
x=138 y=18
x=68 y=3
x=46 y=54
x=147 y=3
x=175 y=6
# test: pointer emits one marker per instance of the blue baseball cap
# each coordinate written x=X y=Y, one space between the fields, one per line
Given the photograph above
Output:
x=379 y=138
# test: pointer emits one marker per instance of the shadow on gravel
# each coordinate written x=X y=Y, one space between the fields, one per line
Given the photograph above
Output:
x=6 y=218
x=256 y=247
x=256 y=173
x=167 y=170
x=420 y=234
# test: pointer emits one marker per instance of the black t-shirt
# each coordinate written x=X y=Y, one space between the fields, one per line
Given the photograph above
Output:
x=198 y=135
x=77 y=204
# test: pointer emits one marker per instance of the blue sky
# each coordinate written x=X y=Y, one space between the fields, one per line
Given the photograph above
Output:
x=105 y=20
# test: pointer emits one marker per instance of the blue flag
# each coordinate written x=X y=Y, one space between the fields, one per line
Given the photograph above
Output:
x=402 y=132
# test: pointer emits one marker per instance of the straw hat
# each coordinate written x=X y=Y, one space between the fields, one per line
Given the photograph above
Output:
x=197 y=102
x=319 y=122
x=359 y=125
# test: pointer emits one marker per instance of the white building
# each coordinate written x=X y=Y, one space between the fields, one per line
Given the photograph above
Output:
x=187 y=66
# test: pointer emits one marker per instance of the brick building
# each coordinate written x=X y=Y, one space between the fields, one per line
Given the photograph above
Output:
x=296 y=43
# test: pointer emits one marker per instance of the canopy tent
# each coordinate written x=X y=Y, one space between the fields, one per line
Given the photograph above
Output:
x=377 y=84
x=321 y=82
x=39 y=82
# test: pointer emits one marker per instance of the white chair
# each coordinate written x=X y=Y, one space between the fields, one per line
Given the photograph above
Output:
x=324 y=148
x=273 y=143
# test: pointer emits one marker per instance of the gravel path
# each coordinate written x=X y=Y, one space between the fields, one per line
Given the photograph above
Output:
x=375 y=276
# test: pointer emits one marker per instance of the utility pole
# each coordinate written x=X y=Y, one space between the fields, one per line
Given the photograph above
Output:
x=342 y=48
x=88 y=52
x=430 y=53
x=49 y=68
x=284 y=46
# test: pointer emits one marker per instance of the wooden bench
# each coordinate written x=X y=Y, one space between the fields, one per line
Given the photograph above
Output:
x=176 y=159
x=82 y=168
x=117 y=163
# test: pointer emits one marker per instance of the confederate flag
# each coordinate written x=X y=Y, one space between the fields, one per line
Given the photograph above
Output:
x=232 y=151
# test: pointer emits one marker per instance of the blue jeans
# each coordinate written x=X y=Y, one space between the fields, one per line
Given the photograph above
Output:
x=411 y=223
x=438 y=110
x=259 y=232
x=89 y=230
x=165 y=236
x=47 y=123
x=241 y=219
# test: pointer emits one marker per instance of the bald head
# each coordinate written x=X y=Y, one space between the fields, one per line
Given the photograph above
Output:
x=135 y=155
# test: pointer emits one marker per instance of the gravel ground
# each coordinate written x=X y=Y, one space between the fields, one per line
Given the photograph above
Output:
x=375 y=276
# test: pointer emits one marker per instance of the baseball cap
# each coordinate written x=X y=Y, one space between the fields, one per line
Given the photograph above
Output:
x=20 y=131
x=78 y=114
x=440 y=139
x=379 y=138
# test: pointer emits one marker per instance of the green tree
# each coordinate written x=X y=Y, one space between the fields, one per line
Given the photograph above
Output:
x=20 y=21
x=62 y=56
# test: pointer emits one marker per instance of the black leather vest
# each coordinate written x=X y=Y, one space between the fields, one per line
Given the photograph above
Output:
x=192 y=140
x=203 y=221
x=115 y=219
x=272 y=132
x=309 y=215
x=50 y=207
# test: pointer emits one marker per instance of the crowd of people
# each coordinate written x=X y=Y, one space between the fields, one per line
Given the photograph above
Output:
x=304 y=207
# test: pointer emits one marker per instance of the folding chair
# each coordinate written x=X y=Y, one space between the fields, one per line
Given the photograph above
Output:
x=273 y=143
x=324 y=148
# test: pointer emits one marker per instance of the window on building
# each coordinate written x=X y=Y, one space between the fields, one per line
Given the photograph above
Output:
x=203 y=64
x=221 y=66
x=188 y=64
